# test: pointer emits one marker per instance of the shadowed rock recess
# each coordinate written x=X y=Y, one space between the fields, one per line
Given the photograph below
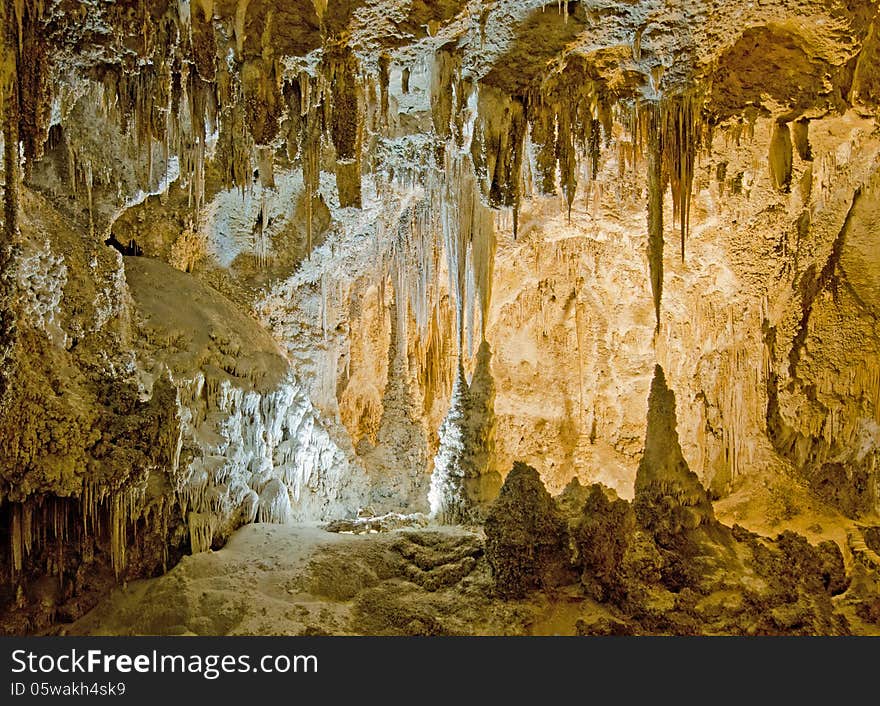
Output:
x=426 y=318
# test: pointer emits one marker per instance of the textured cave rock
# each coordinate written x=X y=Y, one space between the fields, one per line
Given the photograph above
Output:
x=660 y=564
x=602 y=535
x=722 y=580
x=526 y=536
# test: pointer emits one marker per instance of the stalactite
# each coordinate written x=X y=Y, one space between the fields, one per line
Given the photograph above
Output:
x=543 y=134
x=483 y=423
x=11 y=118
x=655 y=203
x=497 y=148
x=384 y=80
x=97 y=518
x=483 y=247
x=464 y=479
x=681 y=140
x=261 y=95
x=202 y=40
x=194 y=163
x=444 y=74
x=594 y=136
x=118 y=523
x=565 y=153
x=341 y=70
x=17 y=540
x=781 y=156
x=311 y=165
x=294 y=124
x=235 y=147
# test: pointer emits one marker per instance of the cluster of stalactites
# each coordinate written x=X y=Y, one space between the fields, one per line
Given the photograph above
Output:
x=464 y=480
x=188 y=90
x=469 y=241
x=79 y=524
x=497 y=149
x=570 y=123
x=566 y=128
x=673 y=126
x=670 y=132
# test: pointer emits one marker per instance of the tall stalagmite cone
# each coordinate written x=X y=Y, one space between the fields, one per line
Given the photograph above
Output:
x=465 y=480
x=446 y=495
x=669 y=497
x=484 y=486
x=781 y=156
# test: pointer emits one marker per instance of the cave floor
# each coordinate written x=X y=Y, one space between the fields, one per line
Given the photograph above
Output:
x=304 y=580
x=301 y=579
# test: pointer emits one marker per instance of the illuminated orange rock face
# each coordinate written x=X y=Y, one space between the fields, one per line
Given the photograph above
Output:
x=363 y=200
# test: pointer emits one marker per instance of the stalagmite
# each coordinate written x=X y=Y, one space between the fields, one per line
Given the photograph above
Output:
x=668 y=495
x=526 y=536
x=565 y=153
x=292 y=93
x=447 y=499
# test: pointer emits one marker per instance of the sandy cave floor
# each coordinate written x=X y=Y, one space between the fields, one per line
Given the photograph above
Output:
x=301 y=579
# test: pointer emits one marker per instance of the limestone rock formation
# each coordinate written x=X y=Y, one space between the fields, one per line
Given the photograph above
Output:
x=465 y=480
x=526 y=536
x=669 y=497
